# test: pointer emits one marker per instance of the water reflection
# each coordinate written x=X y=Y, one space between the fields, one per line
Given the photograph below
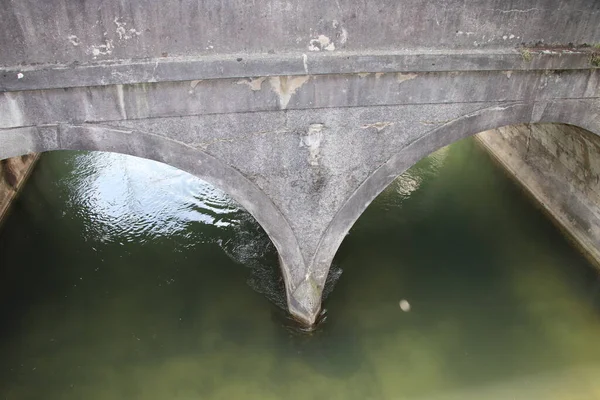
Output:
x=122 y=198
x=123 y=278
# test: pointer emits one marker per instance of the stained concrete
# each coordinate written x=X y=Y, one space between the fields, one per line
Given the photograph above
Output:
x=13 y=175
x=302 y=112
x=559 y=165
x=65 y=32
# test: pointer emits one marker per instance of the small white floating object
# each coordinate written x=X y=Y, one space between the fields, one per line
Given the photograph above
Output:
x=20 y=76
x=404 y=305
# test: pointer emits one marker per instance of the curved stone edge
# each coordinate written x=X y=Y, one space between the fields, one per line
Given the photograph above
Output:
x=19 y=141
x=582 y=113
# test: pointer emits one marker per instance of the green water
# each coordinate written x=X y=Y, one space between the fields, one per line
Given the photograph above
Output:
x=122 y=278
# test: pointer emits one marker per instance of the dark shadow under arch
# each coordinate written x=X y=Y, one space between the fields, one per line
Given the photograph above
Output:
x=581 y=113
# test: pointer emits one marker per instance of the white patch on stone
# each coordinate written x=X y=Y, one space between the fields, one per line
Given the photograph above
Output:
x=379 y=75
x=400 y=77
x=460 y=33
x=363 y=74
x=499 y=108
x=305 y=62
x=20 y=76
x=73 y=39
x=123 y=32
x=121 y=99
x=504 y=37
x=344 y=36
x=312 y=141
x=254 y=84
x=102 y=49
x=14 y=115
x=507 y=73
x=515 y=10
x=154 y=71
x=321 y=42
x=378 y=125
x=286 y=86
x=511 y=36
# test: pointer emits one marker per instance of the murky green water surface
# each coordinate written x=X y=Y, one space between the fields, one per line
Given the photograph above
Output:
x=122 y=278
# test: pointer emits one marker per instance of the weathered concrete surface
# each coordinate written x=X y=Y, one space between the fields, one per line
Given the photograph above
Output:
x=65 y=32
x=560 y=166
x=302 y=112
x=13 y=175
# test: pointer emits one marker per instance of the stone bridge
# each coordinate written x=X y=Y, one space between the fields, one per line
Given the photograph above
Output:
x=302 y=111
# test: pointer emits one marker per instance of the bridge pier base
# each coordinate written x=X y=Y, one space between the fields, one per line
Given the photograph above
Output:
x=304 y=302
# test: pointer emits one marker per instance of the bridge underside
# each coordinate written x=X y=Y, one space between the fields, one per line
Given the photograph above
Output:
x=303 y=133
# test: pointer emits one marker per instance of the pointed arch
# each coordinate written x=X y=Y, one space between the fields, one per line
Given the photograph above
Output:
x=584 y=113
x=97 y=137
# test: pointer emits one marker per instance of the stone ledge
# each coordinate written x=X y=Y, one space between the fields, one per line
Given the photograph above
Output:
x=171 y=69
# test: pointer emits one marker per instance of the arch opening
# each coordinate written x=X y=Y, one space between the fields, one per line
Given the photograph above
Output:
x=487 y=278
x=580 y=113
x=20 y=141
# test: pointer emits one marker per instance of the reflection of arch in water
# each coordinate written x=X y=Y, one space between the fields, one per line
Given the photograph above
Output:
x=581 y=113
x=19 y=141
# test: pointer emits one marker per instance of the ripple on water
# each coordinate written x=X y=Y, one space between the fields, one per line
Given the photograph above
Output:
x=124 y=198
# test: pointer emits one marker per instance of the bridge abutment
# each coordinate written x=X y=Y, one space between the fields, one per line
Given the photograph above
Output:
x=559 y=166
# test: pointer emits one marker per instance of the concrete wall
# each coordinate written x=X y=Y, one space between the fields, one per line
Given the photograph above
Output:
x=560 y=166
x=13 y=174
x=64 y=32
